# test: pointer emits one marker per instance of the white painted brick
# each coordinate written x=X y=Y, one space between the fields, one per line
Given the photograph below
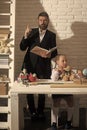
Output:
x=62 y=14
x=71 y=41
x=66 y=17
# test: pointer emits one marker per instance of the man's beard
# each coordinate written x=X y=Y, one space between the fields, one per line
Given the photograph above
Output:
x=43 y=27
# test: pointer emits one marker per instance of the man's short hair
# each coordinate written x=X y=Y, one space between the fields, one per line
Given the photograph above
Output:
x=45 y=14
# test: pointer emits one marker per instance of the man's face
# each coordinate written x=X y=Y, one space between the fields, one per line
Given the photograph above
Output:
x=43 y=22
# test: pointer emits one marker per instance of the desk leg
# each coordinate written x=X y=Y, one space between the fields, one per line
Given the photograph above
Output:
x=76 y=112
x=86 y=117
x=22 y=104
x=14 y=111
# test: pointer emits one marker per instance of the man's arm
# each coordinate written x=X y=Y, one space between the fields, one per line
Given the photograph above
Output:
x=25 y=42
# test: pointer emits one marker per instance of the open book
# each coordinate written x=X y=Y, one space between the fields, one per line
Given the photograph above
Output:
x=38 y=50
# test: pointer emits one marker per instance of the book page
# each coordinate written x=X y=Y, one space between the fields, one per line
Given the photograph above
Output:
x=53 y=49
x=41 y=51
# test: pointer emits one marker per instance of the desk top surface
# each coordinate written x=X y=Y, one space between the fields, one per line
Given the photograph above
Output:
x=49 y=87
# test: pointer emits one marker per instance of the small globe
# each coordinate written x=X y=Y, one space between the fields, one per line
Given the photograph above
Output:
x=85 y=72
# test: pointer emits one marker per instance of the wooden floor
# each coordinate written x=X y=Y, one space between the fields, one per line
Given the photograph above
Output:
x=45 y=125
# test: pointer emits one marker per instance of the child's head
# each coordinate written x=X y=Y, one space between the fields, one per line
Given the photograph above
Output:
x=61 y=61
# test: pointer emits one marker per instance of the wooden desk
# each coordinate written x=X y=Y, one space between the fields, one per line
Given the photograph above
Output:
x=19 y=89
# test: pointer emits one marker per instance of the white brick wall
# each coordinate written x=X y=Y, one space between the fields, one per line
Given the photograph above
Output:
x=67 y=19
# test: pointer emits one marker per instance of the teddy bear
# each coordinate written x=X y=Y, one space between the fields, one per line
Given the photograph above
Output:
x=4 y=47
x=70 y=75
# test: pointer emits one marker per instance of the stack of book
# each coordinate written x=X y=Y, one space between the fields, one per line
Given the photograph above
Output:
x=4 y=60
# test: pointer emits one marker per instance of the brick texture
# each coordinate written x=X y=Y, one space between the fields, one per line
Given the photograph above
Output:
x=67 y=19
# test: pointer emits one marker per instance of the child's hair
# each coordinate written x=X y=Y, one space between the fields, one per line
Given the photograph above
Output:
x=58 y=56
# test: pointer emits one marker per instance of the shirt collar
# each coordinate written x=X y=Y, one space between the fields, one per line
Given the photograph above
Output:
x=42 y=32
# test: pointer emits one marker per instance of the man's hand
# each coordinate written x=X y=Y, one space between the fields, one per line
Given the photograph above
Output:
x=46 y=55
x=27 y=32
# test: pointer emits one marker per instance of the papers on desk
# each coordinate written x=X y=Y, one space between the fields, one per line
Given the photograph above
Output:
x=49 y=81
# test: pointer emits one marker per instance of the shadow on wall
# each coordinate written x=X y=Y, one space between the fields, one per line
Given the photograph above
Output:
x=26 y=13
x=75 y=47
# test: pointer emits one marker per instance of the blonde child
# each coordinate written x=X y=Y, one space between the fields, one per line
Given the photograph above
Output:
x=57 y=72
